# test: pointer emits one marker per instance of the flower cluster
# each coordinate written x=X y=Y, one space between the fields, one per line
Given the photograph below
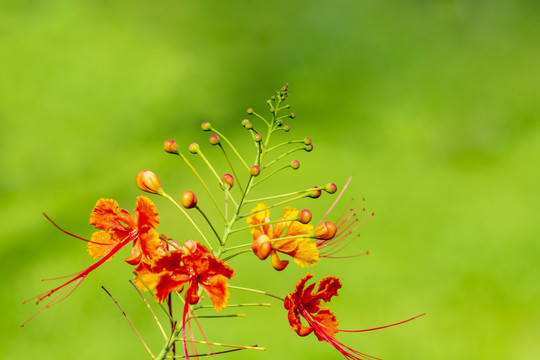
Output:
x=195 y=271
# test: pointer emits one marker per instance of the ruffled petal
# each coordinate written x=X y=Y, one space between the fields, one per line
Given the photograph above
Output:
x=304 y=251
x=146 y=213
x=328 y=287
x=217 y=290
x=148 y=276
x=105 y=216
x=101 y=243
x=328 y=324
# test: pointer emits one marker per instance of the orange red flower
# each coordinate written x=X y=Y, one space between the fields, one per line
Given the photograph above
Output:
x=117 y=228
x=307 y=304
x=193 y=266
x=303 y=250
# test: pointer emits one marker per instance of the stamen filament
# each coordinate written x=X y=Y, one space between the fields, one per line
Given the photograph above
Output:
x=130 y=323
x=149 y=308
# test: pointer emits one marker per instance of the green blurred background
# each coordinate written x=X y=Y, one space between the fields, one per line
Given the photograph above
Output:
x=432 y=105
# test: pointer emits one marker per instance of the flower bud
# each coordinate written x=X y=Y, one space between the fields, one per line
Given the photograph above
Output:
x=250 y=111
x=307 y=141
x=262 y=247
x=315 y=193
x=255 y=170
x=244 y=122
x=194 y=148
x=248 y=126
x=279 y=122
x=272 y=110
x=304 y=216
x=295 y=164
x=257 y=137
x=325 y=231
x=292 y=115
x=214 y=139
x=149 y=182
x=206 y=126
x=309 y=147
x=286 y=128
x=189 y=200
x=330 y=188
x=228 y=181
x=189 y=247
x=170 y=146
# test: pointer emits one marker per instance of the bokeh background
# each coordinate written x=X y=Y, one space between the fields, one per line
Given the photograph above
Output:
x=433 y=106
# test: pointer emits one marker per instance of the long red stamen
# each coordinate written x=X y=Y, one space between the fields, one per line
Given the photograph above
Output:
x=76 y=280
x=70 y=234
x=320 y=329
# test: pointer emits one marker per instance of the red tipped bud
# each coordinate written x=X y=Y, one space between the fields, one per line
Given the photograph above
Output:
x=189 y=200
x=244 y=122
x=330 y=188
x=292 y=116
x=307 y=141
x=228 y=181
x=315 y=193
x=279 y=122
x=214 y=139
x=309 y=147
x=194 y=148
x=250 y=111
x=257 y=137
x=206 y=126
x=255 y=170
x=304 y=216
x=248 y=126
x=170 y=146
x=286 y=128
x=149 y=182
x=272 y=110
x=189 y=247
x=325 y=231
x=295 y=164
x=262 y=247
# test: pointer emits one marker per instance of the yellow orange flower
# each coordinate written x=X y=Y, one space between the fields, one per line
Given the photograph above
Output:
x=303 y=250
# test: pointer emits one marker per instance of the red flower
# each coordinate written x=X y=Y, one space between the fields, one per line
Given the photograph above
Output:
x=117 y=229
x=118 y=226
x=193 y=266
x=304 y=303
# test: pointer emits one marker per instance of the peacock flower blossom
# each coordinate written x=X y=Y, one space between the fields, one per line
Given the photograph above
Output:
x=307 y=304
x=303 y=250
x=193 y=266
x=118 y=225
x=117 y=228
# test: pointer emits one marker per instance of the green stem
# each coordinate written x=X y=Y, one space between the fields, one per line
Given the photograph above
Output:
x=257 y=291
x=203 y=183
x=231 y=145
x=167 y=196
